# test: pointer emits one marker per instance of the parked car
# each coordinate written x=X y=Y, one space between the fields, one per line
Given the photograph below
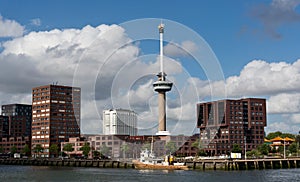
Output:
x=17 y=156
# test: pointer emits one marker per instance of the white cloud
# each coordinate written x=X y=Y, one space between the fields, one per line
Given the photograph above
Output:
x=44 y=57
x=278 y=82
x=284 y=103
x=262 y=78
x=110 y=72
x=10 y=28
x=36 y=22
x=258 y=78
x=97 y=59
x=183 y=49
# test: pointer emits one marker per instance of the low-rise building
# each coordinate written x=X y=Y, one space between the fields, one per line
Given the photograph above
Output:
x=278 y=141
x=8 y=143
x=77 y=143
x=125 y=146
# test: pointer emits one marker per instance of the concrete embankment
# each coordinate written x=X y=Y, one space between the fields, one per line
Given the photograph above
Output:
x=249 y=164
x=244 y=164
x=67 y=162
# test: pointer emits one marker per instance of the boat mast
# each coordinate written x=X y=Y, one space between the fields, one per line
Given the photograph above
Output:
x=151 y=146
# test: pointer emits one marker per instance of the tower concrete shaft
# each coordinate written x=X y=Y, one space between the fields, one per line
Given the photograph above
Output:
x=162 y=86
x=162 y=111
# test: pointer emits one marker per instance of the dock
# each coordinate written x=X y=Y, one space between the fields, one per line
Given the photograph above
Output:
x=249 y=164
x=206 y=164
x=67 y=162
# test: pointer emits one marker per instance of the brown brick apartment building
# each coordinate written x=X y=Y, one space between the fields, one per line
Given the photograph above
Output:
x=55 y=115
x=226 y=122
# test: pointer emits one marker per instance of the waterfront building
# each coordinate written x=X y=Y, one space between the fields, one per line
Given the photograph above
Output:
x=4 y=127
x=19 y=119
x=55 y=115
x=185 y=145
x=119 y=122
x=109 y=145
x=77 y=143
x=227 y=122
x=7 y=143
x=125 y=146
x=278 y=141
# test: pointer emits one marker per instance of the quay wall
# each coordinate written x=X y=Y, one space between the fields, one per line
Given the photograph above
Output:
x=249 y=164
x=67 y=162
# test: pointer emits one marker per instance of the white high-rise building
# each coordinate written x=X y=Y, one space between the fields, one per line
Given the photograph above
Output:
x=119 y=122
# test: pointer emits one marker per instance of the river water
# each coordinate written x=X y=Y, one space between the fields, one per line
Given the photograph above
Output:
x=45 y=173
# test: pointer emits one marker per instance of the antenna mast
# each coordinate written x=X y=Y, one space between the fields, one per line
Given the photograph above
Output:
x=161 y=33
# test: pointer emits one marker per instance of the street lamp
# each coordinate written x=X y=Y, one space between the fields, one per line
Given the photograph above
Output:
x=245 y=147
x=297 y=148
x=284 y=148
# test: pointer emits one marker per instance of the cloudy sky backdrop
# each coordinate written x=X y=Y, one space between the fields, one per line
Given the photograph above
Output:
x=252 y=47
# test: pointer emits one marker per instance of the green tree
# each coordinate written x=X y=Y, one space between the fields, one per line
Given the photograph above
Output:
x=273 y=150
x=104 y=150
x=293 y=147
x=26 y=150
x=86 y=149
x=202 y=152
x=279 y=134
x=125 y=149
x=96 y=153
x=297 y=139
x=253 y=153
x=53 y=149
x=68 y=147
x=1 y=149
x=273 y=135
x=264 y=149
x=146 y=146
x=13 y=149
x=287 y=135
x=38 y=148
x=280 y=149
x=171 y=147
x=197 y=145
x=236 y=148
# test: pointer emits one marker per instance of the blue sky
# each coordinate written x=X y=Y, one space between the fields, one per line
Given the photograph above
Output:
x=238 y=32
x=227 y=26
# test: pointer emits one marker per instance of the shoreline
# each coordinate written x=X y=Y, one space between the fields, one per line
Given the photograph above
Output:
x=227 y=165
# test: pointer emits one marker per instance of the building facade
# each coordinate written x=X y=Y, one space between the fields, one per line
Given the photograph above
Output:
x=109 y=145
x=119 y=122
x=19 y=119
x=227 y=122
x=55 y=115
x=125 y=146
x=77 y=143
x=4 y=127
x=8 y=143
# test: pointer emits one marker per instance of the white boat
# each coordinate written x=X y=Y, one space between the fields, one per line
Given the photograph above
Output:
x=149 y=161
